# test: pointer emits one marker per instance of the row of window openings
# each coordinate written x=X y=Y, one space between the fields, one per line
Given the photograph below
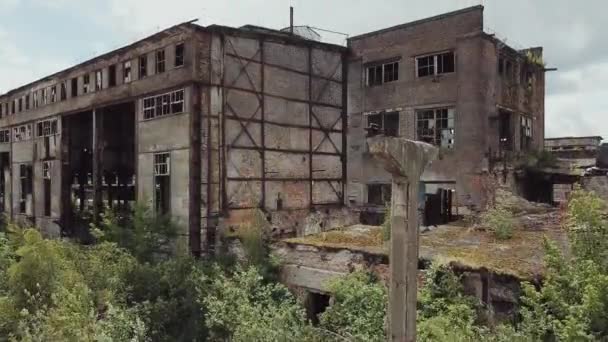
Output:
x=436 y=64
x=24 y=132
x=23 y=103
x=434 y=126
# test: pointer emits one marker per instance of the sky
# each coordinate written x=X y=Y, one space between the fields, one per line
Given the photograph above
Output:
x=40 y=37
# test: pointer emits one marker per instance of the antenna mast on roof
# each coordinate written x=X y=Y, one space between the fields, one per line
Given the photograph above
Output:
x=291 y=20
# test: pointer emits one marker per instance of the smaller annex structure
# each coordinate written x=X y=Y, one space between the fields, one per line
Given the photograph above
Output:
x=203 y=123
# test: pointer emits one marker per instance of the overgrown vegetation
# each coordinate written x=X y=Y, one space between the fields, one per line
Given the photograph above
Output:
x=116 y=290
x=534 y=161
x=499 y=220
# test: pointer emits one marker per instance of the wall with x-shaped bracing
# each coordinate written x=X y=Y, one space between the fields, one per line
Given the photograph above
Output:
x=280 y=123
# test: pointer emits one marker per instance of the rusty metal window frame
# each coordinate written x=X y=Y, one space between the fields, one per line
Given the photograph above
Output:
x=163 y=104
x=45 y=128
x=436 y=126
x=162 y=164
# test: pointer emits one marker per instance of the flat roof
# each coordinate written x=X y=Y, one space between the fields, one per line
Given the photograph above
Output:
x=583 y=137
x=417 y=22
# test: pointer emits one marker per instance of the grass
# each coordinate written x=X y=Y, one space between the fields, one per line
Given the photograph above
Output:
x=520 y=256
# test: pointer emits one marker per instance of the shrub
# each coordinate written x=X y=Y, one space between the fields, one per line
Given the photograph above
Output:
x=500 y=221
x=358 y=309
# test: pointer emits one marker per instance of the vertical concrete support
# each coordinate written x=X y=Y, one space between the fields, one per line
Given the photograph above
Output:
x=98 y=148
x=194 y=209
x=405 y=160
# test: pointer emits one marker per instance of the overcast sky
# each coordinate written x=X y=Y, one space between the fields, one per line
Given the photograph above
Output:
x=40 y=37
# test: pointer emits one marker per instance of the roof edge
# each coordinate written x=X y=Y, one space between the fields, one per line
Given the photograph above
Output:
x=417 y=22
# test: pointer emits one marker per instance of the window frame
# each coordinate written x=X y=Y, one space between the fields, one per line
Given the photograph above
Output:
x=181 y=57
x=143 y=66
x=127 y=72
x=383 y=120
x=160 y=63
x=435 y=65
x=379 y=72
x=164 y=104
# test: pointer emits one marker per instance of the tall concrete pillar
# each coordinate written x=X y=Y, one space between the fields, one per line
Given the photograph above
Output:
x=405 y=160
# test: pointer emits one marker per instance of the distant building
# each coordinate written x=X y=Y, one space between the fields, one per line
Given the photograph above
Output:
x=574 y=147
x=445 y=81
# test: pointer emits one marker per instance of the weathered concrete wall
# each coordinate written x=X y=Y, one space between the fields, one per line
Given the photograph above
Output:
x=597 y=184
x=281 y=108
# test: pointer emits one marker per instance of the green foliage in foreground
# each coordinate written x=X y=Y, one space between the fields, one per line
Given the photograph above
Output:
x=116 y=290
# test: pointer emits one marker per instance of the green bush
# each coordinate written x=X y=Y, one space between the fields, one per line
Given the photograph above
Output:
x=500 y=221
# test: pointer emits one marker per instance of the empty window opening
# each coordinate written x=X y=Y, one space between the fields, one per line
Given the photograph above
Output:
x=1 y=110
x=14 y=106
x=20 y=104
x=85 y=83
x=526 y=133
x=382 y=73
x=112 y=75
x=98 y=80
x=63 y=91
x=501 y=65
x=441 y=63
x=25 y=178
x=160 y=61
x=436 y=126
x=46 y=176
x=378 y=194
x=504 y=130
x=46 y=128
x=53 y=94
x=386 y=123
x=164 y=104
x=5 y=136
x=74 y=87
x=162 y=183
x=27 y=102
x=179 y=55
x=126 y=72
x=143 y=66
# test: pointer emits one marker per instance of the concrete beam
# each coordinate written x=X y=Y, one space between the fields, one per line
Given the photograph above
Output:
x=405 y=160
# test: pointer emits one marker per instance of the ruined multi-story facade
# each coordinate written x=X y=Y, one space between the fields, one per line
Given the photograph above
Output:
x=445 y=81
x=202 y=122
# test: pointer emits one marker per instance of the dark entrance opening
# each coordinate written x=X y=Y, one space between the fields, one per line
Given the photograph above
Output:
x=317 y=304
x=505 y=131
x=111 y=132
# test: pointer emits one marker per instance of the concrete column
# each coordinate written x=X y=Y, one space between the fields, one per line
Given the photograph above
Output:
x=405 y=160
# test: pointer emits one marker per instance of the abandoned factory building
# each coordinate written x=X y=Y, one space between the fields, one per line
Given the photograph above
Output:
x=208 y=123
x=199 y=121
x=445 y=81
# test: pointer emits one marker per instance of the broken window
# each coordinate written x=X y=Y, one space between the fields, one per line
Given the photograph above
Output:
x=126 y=72
x=526 y=132
x=179 y=55
x=441 y=63
x=20 y=101
x=5 y=136
x=53 y=94
x=63 y=91
x=143 y=66
x=164 y=104
x=378 y=194
x=386 y=122
x=25 y=178
x=14 y=105
x=27 y=102
x=162 y=183
x=22 y=133
x=98 y=80
x=160 y=61
x=436 y=126
x=85 y=83
x=382 y=73
x=35 y=94
x=112 y=76
x=74 y=87
x=46 y=128
x=46 y=176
